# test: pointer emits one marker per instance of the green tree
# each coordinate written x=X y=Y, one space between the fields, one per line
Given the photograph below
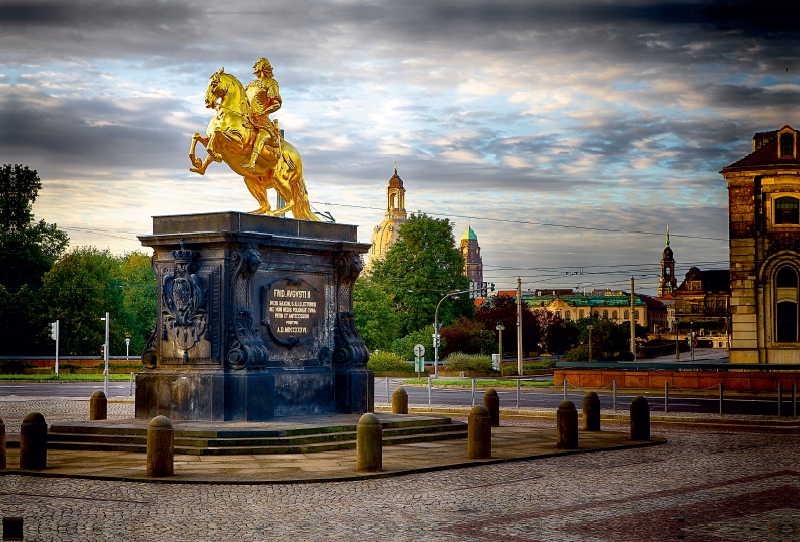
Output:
x=404 y=346
x=376 y=316
x=421 y=267
x=503 y=309
x=79 y=290
x=140 y=299
x=28 y=249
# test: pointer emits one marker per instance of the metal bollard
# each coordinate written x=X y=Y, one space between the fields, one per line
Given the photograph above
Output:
x=160 y=447
x=98 y=406
x=473 y=392
x=565 y=389
x=33 y=442
x=721 y=396
x=429 y=390
x=640 y=419
x=591 y=412
x=400 y=401
x=518 y=385
x=614 y=394
x=780 y=398
x=2 y=444
x=387 y=390
x=666 y=397
x=492 y=403
x=130 y=393
x=567 y=425
x=369 y=444
x=479 y=433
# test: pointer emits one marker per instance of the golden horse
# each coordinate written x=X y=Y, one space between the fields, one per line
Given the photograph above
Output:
x=229 y=138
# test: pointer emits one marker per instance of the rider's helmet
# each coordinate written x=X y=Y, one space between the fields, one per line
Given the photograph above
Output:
x=262 y=65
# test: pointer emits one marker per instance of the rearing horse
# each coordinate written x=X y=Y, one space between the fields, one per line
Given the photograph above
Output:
x=229 y=138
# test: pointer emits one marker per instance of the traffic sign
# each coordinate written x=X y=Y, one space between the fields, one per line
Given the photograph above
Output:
x=419 y=351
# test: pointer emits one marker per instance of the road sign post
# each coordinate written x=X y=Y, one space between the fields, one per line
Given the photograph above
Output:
x=419 y=359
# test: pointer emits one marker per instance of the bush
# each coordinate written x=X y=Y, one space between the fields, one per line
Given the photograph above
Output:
x=459 y=361
x=15 y=367
x=580 y=353
x=388 y=361
x=69 y=367
x=124 y=365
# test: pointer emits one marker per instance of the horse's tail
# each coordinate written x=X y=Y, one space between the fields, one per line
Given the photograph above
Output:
x=301 y=209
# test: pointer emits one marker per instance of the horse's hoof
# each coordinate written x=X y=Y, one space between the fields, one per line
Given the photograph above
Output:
x=195 y=170
x=259 y=211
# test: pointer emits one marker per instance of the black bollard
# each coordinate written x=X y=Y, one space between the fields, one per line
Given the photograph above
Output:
x=567 y=425
x=2 y=444
x=479 y=433
x=33 y=442
x=400 y=401
x=160 y=447
x=98 y=406
x=640 y=419
x=492 y=403
x=591 y=412
x=369 y=443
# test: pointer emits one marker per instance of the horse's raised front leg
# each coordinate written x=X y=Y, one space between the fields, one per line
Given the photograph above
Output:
x=256 y=187
x=196 y=162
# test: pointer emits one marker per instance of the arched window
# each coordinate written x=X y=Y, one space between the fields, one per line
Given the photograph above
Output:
x=566 y=315
x=786 y=210
x=580 y=313
x=786 y=299
x=627 y=315
x=597 y=314
x=614 y=315
x=605 y=315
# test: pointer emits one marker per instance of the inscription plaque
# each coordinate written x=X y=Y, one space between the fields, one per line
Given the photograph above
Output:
x=292 y=310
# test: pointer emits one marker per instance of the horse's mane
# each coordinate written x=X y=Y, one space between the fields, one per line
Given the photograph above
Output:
x=230 y=78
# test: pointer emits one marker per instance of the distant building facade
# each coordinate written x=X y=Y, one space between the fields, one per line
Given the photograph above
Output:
x=388 y=231
x=702 y=301
x=471 y=253
x=612 y=305
x=764 y=221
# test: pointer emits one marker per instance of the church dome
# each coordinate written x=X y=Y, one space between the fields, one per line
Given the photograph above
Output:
x=667 y=253
x=395 y=181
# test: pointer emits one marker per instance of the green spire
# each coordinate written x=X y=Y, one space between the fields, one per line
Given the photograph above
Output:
x=468 y=233
x=667 y=234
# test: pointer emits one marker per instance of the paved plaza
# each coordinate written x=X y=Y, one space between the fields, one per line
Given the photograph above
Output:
x=701 y=485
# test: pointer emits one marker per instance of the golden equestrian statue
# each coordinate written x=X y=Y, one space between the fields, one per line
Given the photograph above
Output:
x=242 y=135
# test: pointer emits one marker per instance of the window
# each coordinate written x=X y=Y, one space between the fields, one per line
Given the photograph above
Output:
x=614 y=315
x=566 y=315
x=787 y=144
x=786 y=210
x=605 y=315
x=635 y=315
x=627 y=315
x=786 y=278
x=580 y=313
x=597 y=314
x=787 y=322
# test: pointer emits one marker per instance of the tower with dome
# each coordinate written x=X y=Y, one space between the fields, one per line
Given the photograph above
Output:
x=387 y=232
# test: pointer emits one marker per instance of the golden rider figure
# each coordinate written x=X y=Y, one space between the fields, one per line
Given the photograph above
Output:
x=264 y=98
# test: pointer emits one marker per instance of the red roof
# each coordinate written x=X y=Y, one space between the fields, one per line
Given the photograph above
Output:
x=766 y=156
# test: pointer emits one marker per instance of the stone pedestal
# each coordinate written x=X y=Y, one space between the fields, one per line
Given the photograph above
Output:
x=254 y=320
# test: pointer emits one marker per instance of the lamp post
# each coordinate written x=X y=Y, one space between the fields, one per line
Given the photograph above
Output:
x=500 y=327
x=589 y=329
x=691 y=338
x=436 y=340
x=127 y=347
x=677 y=346
x=105 y=355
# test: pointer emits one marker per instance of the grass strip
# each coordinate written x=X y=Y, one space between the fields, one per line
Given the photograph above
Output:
x=479 y=383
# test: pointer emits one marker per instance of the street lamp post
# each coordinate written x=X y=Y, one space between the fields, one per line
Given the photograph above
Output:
x=436 y=339
x=500 y=327
x=127 y=347
x=589 y=329
x=691 y=338
x=677 y=346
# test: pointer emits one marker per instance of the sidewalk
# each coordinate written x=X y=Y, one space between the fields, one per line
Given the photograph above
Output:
x=508 y=444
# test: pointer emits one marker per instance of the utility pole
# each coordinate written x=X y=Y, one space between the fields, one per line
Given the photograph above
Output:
x=633 y=322
x=105 y=357
x=519 y=326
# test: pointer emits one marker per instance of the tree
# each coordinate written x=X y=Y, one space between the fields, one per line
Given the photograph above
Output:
x=558 y=335
x=504 y=309
x=421 y=267
x=140 y=299
x=468 y=336
x=376 y=316
x=78 y=291
x=28 y=249
x=404 y=346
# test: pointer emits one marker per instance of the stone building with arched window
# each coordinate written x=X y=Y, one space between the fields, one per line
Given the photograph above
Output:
x=764 y=200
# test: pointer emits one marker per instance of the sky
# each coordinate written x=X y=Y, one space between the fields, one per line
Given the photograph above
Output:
x=568 y=133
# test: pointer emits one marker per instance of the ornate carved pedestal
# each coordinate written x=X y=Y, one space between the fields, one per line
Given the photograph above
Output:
x=255 y=320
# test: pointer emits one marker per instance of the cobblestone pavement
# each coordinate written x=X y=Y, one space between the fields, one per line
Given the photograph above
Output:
x=702 y=485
